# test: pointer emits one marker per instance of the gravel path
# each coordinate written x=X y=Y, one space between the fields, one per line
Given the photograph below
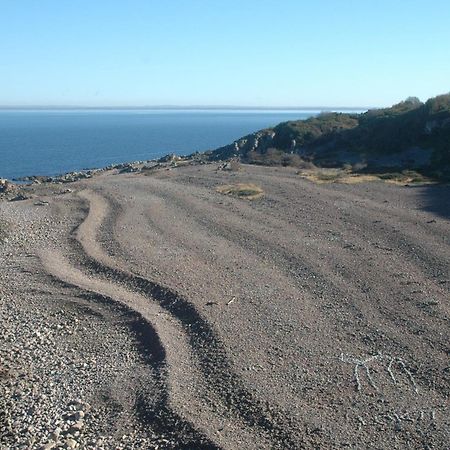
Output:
x=154 y=312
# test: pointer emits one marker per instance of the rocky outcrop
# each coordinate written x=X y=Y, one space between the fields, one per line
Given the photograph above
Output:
x=259 y=141
x=169 y=158
x=64 y=178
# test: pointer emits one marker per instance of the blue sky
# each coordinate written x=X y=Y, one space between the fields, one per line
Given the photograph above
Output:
x=218 y=52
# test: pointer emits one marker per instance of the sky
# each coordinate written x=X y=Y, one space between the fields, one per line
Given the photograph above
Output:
x=223 y=52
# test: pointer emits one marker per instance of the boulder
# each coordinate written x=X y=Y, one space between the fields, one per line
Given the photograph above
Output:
x=6 y=186
x=171 y=157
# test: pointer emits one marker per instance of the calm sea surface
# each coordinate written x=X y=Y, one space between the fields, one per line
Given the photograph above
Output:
x=58 y=141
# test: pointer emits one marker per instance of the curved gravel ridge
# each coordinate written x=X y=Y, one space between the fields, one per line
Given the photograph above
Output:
x=435 y=254
x=231 y=399
x=158 y=415
x=341 y=281
x=343 y=269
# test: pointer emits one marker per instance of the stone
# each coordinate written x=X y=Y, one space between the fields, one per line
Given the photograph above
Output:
x=56 y=433
x=48 y=446
x=71 y=443
x=79 y=415
x=77 y=426
x=19 y=198
x=6 y=186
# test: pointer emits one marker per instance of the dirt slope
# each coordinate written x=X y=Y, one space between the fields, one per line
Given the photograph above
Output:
x=316 y=316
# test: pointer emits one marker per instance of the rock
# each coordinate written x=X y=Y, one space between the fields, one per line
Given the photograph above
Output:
x=71 y=443
x=19 y=197
x=77 y=403
x=48 y=446
x=6 y=186
x=55 y=434
x=171 y=157
x=77 y=426
x=129 y=168
x=151 y=167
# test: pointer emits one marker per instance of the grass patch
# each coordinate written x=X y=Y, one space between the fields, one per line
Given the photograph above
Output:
x=241 y=190
x=356 y=178
x=323 y=175
x=405 y=177
x=346 y=176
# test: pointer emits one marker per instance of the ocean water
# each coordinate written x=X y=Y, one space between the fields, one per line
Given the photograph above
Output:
x=50 y=142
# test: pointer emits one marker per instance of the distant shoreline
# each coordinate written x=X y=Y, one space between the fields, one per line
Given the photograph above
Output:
x=184 y=108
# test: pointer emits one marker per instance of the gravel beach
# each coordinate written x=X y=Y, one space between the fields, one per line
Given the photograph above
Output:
x=151 y=311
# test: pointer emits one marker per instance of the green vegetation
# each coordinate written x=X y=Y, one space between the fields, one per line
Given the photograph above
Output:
x=348 y=176
x=275 y=157
x=406 y=176
x=307 y=132
x=408 y=136
x=241 y=190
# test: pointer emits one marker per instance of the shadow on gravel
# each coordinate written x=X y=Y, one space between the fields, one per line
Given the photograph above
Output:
x=156 y=413
x=436 y=199
x=211 y=356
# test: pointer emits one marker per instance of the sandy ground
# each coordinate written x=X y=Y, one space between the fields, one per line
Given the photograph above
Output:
x=173 y=316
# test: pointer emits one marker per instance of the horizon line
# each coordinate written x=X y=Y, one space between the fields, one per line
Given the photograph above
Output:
x=184 y=107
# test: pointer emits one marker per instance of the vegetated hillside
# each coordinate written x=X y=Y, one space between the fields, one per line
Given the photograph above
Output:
x=409 y=135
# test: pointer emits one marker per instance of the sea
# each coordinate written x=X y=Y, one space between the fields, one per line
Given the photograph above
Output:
x=52 y=142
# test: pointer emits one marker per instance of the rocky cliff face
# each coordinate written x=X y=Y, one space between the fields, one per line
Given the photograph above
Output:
x=259 y=141
x=410 y=135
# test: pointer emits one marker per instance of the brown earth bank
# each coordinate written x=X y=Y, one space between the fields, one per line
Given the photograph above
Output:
x=199 y=309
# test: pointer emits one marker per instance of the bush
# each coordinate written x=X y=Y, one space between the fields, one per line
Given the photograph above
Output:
x=276 y=157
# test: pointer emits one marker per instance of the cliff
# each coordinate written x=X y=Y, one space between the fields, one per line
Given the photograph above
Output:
x=409 y=135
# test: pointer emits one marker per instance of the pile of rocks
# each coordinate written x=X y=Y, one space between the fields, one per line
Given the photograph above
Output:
x=129 y=168
x=6 y=186
x=69 y=177
x=51 y=377
x=169 y=158
x=60 y=362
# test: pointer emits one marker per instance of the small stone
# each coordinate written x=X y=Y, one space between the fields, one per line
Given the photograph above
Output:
x=56 y=433
x=48 y=446
x=71 y=443
x=79 y=415
x=77 y=426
